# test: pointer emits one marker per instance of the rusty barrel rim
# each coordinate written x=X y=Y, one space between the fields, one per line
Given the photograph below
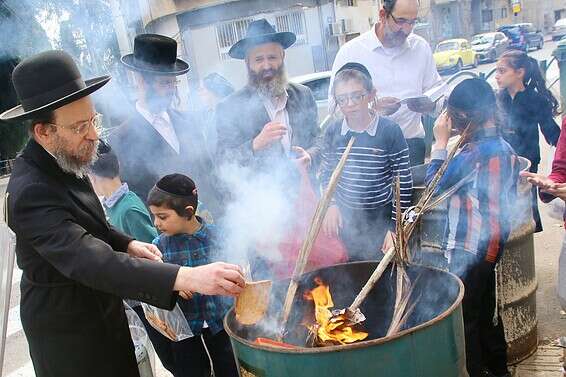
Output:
x=361 y=344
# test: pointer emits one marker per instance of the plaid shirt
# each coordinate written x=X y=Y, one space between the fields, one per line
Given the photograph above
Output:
x=480 y=212
x=192 y=250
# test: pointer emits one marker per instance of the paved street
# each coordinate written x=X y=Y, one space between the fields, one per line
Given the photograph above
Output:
x=17 y=362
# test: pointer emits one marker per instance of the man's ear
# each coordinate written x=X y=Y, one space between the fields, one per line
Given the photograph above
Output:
x=42 y=132
x=382 y=15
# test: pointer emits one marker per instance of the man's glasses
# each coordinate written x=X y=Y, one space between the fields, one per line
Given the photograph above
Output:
x=401 y=22
x=356 y=98
x=82 y=128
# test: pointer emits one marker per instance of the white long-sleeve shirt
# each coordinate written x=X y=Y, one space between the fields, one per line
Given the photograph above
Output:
x=403 y=72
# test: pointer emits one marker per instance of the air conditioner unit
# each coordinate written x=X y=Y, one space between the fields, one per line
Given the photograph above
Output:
x=343 y=26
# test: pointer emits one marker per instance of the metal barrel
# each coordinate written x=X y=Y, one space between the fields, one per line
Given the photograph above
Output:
x=516 y=277
x=432 y=343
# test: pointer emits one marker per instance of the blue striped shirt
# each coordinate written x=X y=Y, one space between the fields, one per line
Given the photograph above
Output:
x=378 y=155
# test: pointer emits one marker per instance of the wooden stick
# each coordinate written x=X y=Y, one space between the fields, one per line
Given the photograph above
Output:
x=381 y=267
x=314 y=228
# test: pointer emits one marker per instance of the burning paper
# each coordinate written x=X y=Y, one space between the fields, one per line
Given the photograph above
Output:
x=332 y=328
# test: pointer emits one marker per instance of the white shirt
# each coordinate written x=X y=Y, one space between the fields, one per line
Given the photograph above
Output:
x=278 y=113
x=403 y=72
x=162 y=124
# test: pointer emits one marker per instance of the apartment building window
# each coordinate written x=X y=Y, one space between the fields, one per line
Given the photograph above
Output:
x=229 y=33
x=503 y=13
x=293 y=22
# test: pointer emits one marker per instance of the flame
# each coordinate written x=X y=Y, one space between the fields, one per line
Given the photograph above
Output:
x=328 y=327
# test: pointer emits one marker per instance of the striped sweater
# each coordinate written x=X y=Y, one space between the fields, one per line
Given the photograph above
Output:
x=378 y=154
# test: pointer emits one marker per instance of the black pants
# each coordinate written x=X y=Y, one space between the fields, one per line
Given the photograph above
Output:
x=188 y=358
x=363 y=232
x=534 y=193
x=486 y=348
x=191 y=359
x=417 y=150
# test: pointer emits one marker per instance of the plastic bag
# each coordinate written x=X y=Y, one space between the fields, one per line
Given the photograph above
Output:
x=142 y=347
x=170 y=323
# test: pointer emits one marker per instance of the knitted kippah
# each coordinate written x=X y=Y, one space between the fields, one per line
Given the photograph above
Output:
x=472 y=95
x=177 y=185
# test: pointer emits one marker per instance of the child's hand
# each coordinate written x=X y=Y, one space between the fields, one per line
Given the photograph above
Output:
x=442 y=131
x=332 y=222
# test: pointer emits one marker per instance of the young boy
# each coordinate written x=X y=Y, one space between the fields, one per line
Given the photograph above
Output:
x=479 y=216
x=188 y=240
x=126 y=211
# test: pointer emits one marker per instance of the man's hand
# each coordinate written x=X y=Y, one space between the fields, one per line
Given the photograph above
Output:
x=332 y=221
x=302 y=158
x=271 y=133
x=558 y=190
x=139 y=249
x=388 y=242
x=442 y=131
x=539 y=180
x=387 y=105
x=422 y=105
x=212 y=279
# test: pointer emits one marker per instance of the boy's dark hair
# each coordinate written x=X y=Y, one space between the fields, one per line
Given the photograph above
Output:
x=107 y=165
x=472 y=101
x=176 y=192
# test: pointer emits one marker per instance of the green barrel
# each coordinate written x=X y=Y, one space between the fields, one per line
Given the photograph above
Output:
x=431 y=344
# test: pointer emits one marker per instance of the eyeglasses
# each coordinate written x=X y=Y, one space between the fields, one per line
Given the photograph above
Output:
x=401 y=22
x=82 y=128
x=356 y=98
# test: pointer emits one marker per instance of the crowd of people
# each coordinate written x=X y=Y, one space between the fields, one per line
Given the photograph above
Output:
x=93 y=218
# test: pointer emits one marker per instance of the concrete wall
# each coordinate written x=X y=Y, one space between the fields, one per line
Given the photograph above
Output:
x=299 y=58
x=363 y=16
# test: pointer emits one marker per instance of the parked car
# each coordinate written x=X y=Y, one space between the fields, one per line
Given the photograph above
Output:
x=453 y=55
x=559 y=29
x=523 y=36
x=489 y=46
x=318 y=83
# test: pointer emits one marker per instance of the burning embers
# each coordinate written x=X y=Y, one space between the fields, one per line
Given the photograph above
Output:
x=331 y=327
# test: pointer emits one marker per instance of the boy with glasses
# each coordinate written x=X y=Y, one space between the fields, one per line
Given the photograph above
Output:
x=362 y=213
x=401 y=66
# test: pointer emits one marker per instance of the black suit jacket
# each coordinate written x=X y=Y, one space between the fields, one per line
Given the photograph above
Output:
x=242 y=116
x=75 y=273
x=145 y=156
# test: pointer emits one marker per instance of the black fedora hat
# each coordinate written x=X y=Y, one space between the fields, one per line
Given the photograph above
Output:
x=260 y=32
x=48 y=81
x=156 y=54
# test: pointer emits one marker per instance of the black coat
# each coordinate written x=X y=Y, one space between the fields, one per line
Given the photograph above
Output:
x=145 y=156
x=75 y=271
x=242 y=116
x=523 y=115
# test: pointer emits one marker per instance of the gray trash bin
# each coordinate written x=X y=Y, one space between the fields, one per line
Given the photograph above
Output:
x=141 y=344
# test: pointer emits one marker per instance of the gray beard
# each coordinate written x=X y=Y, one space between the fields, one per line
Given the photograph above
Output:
x=72 y=165
x=269 y=88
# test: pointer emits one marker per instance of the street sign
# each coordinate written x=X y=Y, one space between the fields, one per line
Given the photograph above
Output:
x=516 y=8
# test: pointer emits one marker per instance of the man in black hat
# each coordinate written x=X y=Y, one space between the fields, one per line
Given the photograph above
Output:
x=157 y=139
x=76 y=267
x=269 y=118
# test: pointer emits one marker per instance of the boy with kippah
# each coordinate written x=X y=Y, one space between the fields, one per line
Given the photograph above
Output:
x=188 y=240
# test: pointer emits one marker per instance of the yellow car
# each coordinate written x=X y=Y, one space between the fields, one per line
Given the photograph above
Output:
x=453 y=55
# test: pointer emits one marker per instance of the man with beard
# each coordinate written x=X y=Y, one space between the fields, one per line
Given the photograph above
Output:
x=402 y=67
x=157 y=139
x=270 y=120
x=76 y=267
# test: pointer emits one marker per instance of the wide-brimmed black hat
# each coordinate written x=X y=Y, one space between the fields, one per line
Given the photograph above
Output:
x=48 y=81
x=260 y=32
x=156 y=54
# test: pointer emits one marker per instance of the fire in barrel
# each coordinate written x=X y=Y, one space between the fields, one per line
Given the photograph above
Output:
x=429 y=343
